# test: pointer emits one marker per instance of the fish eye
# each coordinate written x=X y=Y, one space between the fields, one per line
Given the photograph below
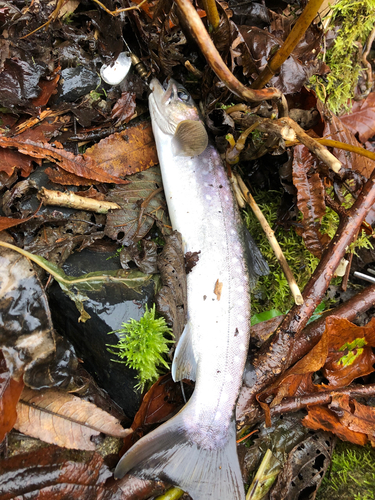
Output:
x=183 y=95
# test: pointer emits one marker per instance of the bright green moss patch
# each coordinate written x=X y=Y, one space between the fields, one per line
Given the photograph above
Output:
x=352 y=476
x=142 y=344
x=354 y=20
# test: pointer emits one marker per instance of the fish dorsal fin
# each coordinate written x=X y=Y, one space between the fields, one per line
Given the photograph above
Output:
x=184 y=363
x=190 y=138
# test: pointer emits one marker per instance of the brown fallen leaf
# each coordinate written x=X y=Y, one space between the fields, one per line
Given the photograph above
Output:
x=48 y=88
x=76 y=164
x=361 y=418
x=218 y=289
x=310 y=199
x=361 y=119
x=10 y=391
x=162 y=401
x=124 y=108
x=125 y=153
x=11 y=160
x=52 y=473
x=60 y=418
x=320 y=417
x=336 y=130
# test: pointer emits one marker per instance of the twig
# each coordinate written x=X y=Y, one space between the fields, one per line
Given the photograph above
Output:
x=365 y=61
x=340 y=145
x=289 y=45
x=276 y=354
x=314 y=146
x=71 y=200
x=212 y=13
x=216 y=62
x=298 y=299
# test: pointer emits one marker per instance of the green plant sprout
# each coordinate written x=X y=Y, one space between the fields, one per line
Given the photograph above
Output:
x=355 y=20
x=141 y=346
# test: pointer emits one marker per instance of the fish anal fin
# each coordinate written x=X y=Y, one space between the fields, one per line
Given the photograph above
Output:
x=190 y=138
x=184 y=363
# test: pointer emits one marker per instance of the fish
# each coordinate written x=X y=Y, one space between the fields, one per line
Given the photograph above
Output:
x=196 y=449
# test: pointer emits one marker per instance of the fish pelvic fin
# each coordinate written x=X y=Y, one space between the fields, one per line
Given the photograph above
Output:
x=257 y=265
x=174 y=453
x=184 y=363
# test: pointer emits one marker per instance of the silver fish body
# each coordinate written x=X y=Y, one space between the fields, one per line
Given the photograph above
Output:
x=196 y=449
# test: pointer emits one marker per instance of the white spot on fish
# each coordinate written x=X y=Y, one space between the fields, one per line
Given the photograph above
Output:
x=240 y=288
x=205 y=184
x=218 y=415
x=190 y=163
x=215 y=223
x=228 y=377
x=224 y=397
x=236 y=359
x=242 y=347
x=232 y=231
x=226 y=198
x=234 y=260
x=208 y=197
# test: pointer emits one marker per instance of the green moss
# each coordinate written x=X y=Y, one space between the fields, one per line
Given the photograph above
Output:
x=352 y=476
x=142 y=344
x=355 y=19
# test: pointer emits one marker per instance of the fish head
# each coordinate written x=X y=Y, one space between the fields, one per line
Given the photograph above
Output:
x=175 y=113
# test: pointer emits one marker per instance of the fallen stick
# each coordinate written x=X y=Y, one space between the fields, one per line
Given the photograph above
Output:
x=71 y=200
x=277 y=353
x=294 y=288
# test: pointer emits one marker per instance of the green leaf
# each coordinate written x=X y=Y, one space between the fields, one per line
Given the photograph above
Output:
x=264 y=316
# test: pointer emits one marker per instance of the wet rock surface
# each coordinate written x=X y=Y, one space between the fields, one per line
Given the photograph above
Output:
x=109 y=308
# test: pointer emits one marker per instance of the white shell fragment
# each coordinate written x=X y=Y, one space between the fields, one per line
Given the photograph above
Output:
x=115 y=73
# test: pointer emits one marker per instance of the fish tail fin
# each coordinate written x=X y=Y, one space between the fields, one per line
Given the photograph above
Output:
x=181 y=455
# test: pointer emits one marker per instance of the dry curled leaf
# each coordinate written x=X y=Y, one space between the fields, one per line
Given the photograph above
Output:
x=361 y=119
x=124 y=108
x=62 y=419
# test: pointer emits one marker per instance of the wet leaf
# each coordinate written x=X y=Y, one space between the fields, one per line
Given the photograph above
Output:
x=133 y=221
x=60 y=418
x=305 y=468
x=81 y=165
x=13 y=160
x=10 y=392
x=361 y=119
x=337 y=130
x=48 y=87
x=357 y=417
x=320 y=417
x=162 y=401
x=125 y=153
x=56 y=474
x=124 y=108
x=349 y=355
x=310 y=199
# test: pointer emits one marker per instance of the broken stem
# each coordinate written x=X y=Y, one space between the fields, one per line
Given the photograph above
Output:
x=298 y=299
x=71 y=200
x=216 y=62
x=298 y=31
x=314 y=146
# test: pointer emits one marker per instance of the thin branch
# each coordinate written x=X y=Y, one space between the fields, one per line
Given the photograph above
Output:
x=298 y=31
x=272 y=241
x=216 y=62
x=339 y=145
x=212 y=13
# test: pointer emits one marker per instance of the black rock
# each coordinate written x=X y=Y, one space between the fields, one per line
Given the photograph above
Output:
x=108 y=309
x=75 y=83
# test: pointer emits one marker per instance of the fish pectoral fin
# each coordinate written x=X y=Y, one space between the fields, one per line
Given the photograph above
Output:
x=184 y=363
x=190 y=138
